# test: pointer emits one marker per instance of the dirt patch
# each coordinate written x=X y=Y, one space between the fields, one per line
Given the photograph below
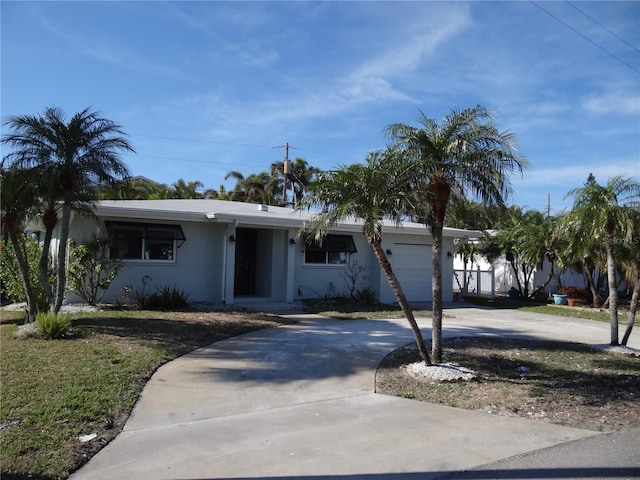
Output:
x=563 y=383
x=177 y=332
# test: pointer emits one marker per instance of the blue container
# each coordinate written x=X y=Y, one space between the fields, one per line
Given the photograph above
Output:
x=560 y=299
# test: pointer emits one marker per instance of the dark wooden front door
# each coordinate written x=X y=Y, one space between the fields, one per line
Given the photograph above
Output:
x=245 y=269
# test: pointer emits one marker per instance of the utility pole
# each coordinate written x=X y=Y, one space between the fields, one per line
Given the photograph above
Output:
x=548 y=205
x=286 y=173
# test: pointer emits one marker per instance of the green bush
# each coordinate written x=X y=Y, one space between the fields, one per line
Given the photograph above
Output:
x=92 y=270
x=165 y=298
x=11 y=283
x=366 y=296
x=54 y=325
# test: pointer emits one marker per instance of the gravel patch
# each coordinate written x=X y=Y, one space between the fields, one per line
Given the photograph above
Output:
x=70 y=308
x=444 y=372
x=621 y=349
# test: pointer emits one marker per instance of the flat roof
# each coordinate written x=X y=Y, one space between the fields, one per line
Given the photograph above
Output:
x=246 y=214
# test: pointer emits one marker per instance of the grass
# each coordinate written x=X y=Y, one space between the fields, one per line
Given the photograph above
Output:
x=559 y=382
x=598 y=314
x=53 y=391
x=344 y=310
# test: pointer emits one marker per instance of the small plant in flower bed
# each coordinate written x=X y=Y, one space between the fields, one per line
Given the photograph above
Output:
x=54 y=325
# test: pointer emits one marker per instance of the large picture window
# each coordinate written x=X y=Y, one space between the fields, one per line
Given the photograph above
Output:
x=333 y=250
x=142 y=241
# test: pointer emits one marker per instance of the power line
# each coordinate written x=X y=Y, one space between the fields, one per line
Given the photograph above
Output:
x=194 y=140
x=585 y=37
x=603 y=27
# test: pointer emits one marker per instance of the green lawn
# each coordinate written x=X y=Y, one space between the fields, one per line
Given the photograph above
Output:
x=599 y=314
x=53 y=391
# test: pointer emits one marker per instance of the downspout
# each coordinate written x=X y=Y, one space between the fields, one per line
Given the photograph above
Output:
x=230 y=229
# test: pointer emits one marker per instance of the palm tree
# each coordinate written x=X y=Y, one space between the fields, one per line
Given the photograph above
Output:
x=300 y=175
x=604 y=213
x=255 y=188
x=537 y=243
x=464 y=154
x=82 y=154
x=631 y=262
x=18 y=202
x=182 y=189
x=366 y=192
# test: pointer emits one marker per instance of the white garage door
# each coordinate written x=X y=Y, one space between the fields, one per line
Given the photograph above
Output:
x=412 y=265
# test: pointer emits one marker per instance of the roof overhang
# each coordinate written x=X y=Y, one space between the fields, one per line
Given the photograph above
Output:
x=247 y=214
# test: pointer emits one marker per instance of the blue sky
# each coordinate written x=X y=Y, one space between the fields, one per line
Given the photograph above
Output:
x=203 y=88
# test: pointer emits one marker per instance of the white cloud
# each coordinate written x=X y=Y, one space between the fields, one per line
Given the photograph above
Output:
x=619 y=102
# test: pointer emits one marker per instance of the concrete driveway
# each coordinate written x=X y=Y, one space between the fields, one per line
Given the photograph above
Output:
x=298 y=402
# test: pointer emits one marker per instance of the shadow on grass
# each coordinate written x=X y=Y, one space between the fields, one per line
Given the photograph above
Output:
x=180 y=333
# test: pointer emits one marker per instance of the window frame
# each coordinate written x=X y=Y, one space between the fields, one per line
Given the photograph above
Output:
x=152 y=236
x=330 y=244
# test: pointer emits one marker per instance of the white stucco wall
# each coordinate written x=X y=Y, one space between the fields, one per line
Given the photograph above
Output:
x=196 y=270
x=317 y=281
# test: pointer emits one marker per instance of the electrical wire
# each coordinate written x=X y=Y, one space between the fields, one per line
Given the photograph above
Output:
x=603 y=27
x=585 y=37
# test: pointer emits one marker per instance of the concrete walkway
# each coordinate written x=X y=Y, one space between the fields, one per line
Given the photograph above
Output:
x=297 y=402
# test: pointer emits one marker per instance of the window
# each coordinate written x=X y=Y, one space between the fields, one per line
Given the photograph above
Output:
x=333 y=250
x=140 y=241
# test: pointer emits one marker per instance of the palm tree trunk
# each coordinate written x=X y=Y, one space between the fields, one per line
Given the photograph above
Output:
x=546 y=282
x=43 y=267
x=61 y=277
x=633 y=307
x=399 y=294
x=24 y=272
x=516 y=272
x=613 y=290
x=586 y=271
x=436 y=291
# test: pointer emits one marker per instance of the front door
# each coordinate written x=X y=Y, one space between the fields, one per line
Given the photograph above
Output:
x=245 y=268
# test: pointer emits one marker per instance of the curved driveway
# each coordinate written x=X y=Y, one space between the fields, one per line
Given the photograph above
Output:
x=298 y=402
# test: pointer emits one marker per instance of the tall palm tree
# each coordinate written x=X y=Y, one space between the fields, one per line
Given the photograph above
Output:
x=603 y=213
x=464 y=154
x=366 y=192
x=82 y=154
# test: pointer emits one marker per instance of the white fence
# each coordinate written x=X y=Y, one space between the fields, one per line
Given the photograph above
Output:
x=481 y=282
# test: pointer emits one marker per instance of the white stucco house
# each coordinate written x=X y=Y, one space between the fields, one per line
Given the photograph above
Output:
x=223 y=252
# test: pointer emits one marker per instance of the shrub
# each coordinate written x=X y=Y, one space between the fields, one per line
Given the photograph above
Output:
x=165 y=298
x=11 y=282
x=366 y=296
x=91 y=270
x=54 y=325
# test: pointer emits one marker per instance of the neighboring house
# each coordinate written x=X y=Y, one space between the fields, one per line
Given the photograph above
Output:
x=223 y=252
x=500 y=274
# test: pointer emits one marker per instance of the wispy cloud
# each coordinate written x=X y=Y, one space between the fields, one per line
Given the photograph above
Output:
x=619 y=102
x=106 y=51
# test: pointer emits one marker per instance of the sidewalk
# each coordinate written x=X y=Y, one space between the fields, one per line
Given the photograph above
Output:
x=297 y=402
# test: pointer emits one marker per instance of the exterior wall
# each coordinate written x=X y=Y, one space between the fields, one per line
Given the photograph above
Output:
x=196 y=270
x=204 y=265
x=318 y=281
x=411 y=262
